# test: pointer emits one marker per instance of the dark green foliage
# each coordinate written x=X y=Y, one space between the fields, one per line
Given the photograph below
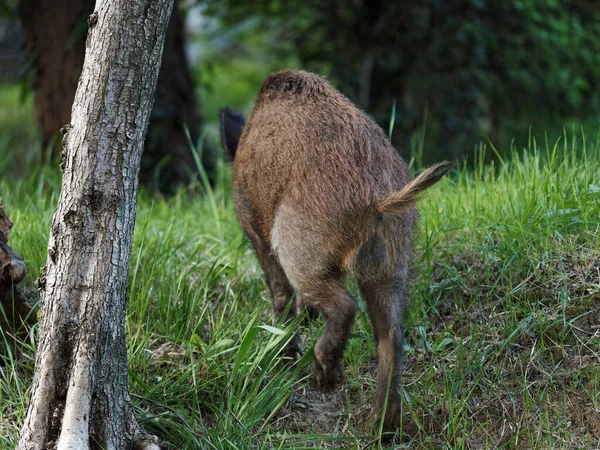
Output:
x=470 y=63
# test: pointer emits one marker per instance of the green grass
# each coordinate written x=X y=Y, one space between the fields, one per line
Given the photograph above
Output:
x=502 y=335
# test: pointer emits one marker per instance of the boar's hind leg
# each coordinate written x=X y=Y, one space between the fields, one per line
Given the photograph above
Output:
x=281 y=295
x=384 y=300
x=329 y=296
x=307 y=259
x=279 y=287
x=303 y=307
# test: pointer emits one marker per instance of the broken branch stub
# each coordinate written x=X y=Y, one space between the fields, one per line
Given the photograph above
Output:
x=16 y=308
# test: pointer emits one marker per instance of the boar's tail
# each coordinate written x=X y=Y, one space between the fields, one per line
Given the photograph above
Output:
x=232 y=123
x=410 y=194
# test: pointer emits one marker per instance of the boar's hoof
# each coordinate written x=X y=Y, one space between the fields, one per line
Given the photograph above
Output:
x=391 y=422
x=326 y=374
x=293 y=350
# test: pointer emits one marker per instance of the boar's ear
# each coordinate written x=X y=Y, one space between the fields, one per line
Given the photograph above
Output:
x=232 y=123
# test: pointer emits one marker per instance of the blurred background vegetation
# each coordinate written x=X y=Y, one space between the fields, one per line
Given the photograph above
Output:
x=502 y=336
x=454 y=73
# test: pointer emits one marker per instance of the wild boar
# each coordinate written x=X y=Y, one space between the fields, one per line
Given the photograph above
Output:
x=321 y=193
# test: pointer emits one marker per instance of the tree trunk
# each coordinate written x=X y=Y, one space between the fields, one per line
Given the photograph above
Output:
x=80 y=398
x=55 y=37
x=15 y=307
x=168 y=161
x=55 y=40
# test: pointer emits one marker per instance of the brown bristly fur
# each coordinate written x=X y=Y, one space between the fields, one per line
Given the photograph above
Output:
x=397 y=201
x=322 y=193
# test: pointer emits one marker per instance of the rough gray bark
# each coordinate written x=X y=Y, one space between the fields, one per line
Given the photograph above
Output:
x=80 y=397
